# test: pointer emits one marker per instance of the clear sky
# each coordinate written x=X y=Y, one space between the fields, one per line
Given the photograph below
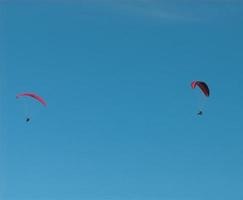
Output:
x=121 y=119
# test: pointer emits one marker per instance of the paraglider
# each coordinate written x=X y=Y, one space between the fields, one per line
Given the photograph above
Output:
x=38 y=98
x=204 y=88
x=34 y=96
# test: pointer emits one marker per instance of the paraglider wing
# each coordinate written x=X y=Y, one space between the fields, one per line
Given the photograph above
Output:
x=38 y=98
x=203 y=86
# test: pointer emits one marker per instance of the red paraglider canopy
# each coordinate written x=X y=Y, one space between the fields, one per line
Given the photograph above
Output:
x=38 y=98
x=202 y=85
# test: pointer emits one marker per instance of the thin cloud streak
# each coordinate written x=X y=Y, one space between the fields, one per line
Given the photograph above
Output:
x=175 y=10
x=167 y=10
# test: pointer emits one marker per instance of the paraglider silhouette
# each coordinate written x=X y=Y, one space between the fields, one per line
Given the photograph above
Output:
x=34 y=96
x=204 y=88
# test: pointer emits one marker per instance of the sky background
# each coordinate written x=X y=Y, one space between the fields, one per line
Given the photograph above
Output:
x=121 y=119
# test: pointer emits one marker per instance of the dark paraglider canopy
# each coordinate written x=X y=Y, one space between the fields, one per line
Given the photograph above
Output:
x=203 y=86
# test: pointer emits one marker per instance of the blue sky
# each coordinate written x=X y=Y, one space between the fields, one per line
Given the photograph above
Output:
x=121 y=119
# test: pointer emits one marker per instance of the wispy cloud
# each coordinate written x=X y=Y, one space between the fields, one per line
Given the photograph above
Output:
x=162 y=9
x=179 y=9
x=176 y=10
